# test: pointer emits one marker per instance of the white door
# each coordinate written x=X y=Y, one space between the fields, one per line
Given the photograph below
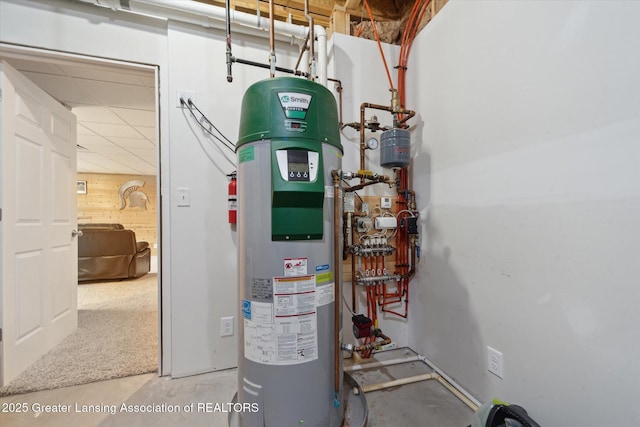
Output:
x=38 y=252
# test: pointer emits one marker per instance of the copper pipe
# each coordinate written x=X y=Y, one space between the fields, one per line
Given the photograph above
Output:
x=312 y=41
x=362 y=146
x=302 y=50
x=228 y=32
x=353 y=282
x=376 y=180
x=366 y=105
x=410 y=115
x=337 y=383
x=339 y=89
x=372 y=345
x=272 y=42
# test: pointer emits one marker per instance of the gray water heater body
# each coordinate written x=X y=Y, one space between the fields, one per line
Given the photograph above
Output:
x=395 y=148
x=288 y=146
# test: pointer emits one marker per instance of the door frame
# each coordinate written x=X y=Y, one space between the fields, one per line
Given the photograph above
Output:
x=50 y=56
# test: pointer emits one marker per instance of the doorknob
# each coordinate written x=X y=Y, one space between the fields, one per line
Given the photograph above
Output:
x=77 y=233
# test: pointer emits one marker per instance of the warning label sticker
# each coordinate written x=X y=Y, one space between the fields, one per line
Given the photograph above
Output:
x=295 y=267
x=285 y=332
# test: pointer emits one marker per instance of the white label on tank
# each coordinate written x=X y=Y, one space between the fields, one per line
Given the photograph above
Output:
x=295 y=267
x=324 y=294
x=260 y=333
x=259 y=341
x=262 y=312
x=294 y=303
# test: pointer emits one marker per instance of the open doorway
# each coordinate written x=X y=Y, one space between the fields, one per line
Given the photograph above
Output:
x=116 y=106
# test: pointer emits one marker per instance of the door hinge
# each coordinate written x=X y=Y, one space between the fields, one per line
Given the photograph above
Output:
x=0 y=335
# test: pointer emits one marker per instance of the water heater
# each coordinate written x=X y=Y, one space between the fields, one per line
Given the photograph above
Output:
x=288 y=144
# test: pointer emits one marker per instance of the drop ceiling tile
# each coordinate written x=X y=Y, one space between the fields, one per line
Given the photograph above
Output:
x=81 y=130
x=120 y=95
x=105 y=75
x=93 y=140
x=136 y=117
x=85 y=166
x=24 y=65
x=149 y=82
x=108 y=150
x=146 y=154
x=111 y=130
x=130 y=162
x=98 y=159
x=148 y=170
x=147 y=132
x=96 y=114
x=104 y=134
x=131 y=142
x=64 y=89
x=143 y=152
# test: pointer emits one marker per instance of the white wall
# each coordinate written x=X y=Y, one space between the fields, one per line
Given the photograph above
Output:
x=528 y=178
x=204 y=253
x=198 y=245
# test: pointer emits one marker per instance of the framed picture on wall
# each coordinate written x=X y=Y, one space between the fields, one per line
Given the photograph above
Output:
x=82 y=187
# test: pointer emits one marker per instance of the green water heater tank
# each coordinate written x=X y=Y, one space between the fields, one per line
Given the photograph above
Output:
x=296 y=118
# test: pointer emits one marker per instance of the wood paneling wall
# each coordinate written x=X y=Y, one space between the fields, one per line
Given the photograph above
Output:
x=102 y=204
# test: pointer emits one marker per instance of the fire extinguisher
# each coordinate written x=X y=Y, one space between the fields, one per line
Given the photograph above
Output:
x=233 y=199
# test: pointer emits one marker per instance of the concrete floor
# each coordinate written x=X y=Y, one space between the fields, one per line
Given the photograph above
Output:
x=425 y=403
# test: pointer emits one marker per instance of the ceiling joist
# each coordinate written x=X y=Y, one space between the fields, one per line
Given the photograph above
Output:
x=337 y=15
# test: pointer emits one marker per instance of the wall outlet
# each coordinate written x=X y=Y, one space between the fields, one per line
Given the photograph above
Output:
x=385 y=202
x=185 y=94
x=226 y=326
x=494 y=361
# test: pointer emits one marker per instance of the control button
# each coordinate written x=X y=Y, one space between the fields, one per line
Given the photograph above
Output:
x=299 y=175
x=291 y=174
x=305 y=175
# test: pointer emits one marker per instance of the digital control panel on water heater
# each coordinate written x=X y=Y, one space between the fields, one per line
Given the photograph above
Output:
x=298 y=165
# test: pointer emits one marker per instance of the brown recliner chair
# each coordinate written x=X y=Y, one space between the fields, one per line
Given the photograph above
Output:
x=111 y=253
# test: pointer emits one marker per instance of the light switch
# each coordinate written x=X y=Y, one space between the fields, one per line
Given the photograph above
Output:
x=184 y=197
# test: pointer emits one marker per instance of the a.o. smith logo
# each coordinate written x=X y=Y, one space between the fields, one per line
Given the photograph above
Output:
x=294 y=105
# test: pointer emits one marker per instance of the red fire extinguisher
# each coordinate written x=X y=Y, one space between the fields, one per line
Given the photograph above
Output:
x=233 y=199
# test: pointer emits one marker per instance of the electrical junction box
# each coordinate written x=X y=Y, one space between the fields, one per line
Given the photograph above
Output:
x=386 y=222
x=385 y=202
x=412 y=225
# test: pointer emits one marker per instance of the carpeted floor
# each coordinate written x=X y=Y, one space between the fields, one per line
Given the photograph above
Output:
x=117 y=336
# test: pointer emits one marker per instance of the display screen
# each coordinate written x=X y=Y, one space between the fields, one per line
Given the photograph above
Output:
x=298 y=165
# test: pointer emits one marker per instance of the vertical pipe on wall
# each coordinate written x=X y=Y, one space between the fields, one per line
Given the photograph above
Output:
x=228 y=31
x=272 y=42
x=193 y=12
x=337 y=383
x=321 y=35
x=312 y=42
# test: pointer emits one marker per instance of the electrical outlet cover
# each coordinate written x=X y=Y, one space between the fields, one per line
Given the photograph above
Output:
x=494 y=362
